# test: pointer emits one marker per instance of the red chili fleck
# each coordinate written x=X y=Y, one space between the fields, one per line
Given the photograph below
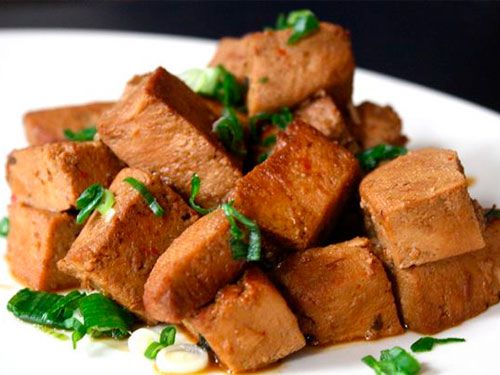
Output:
x=307 y=164
x=282 y=51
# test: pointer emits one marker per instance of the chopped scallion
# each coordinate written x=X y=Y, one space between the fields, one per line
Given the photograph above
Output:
x=230 y=132
x=148 y=197
x=82 y=135
x=269 y=140
x=370 y=158
x=395 y=361
x=262 y=157
x=167 y=338
x=250 y=251
x=302 y=22
x=426 y=344
x=4 y=226
x=195 y=189
x=492 y=213
x=92 y=198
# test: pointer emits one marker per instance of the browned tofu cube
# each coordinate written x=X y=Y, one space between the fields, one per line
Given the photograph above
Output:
x=492 y=250
x=160 y=125
x=297 y=193
x=321 y=61
x=294 y=196
x=116 y=255
x=53 y=176
x=37 y=240
x=420 y=208
x=340 y=292
x=322 y=114
x=249 y=325
x=48 y=125
x=375 y=125
x=232 y=54
x=442 y=294
x=187 y=276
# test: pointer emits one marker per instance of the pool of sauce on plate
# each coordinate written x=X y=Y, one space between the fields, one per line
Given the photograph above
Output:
x=471 y=181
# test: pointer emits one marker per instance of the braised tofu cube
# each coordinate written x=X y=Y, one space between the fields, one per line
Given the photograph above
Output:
x=322 y=114
x=160 y=125
x=52 y=176
x=340 y=292
x=376 y=125
x=492 y=250
x=37 y=240
x=249 y=325
x=443 y=294
x=115 y=254
x=48 y=125
x=296 y=194
x=420 y=208
x=189 y=274
x=232 y=54
x=322 y=61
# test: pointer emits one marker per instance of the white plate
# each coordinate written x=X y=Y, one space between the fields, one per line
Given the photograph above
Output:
x=50 y=68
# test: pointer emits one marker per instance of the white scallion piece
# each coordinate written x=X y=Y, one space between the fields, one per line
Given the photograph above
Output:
x=181 y=359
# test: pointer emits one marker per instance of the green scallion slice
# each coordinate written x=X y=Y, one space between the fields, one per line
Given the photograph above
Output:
x=426 y=344
x=370 y=158
x=107 y=202
x=202 y=81
x=492 y=213
x=195 y=189
x=395 y=361
x=82 y=135
x=230 y=132
x=148 y=197
x=4 y=226
x=250 y=251
x=88 y=201
x=303 y=24
x=167 y=338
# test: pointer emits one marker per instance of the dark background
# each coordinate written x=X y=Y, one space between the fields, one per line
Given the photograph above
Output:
x=451 y=46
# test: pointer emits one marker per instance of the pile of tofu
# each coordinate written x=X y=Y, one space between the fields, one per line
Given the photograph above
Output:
x=416 y=252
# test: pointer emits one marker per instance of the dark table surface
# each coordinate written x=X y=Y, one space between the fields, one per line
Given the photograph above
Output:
x=451 y=46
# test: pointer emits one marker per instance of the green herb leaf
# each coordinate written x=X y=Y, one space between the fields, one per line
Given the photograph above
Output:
x=395 y=361
x=262 y=157
x=82 y=135
x=240 y=249
x=148 y=197
x=426 y=344
x=107 y=202
x=303 y=23
x=167 y=335
x=282 y=118
x=4 y=226
x=195 y=189
x=230 y=132
x=281 y=22
x=263 y=80
x=370 y=158
x=269 y=140
x=217 y=83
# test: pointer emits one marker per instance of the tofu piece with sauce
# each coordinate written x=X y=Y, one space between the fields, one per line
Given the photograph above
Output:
x=442 y=294
x=161 y=126
x=492 y=250
x=322 y=61
x=322 y=114
x=116 y=254
x=340 y=293
x=297 y=193
x=188 y=275
x=249 y=326
x=374 y=124
x=232 y=53
x=37 y=240
x=294 y=196
x=52 y=176
x=420 y=209
x=48 y=125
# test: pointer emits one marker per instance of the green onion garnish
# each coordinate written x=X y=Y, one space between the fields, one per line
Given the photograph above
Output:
x=92 y=198
x=4 y=226
x=148 y=197
x=195 y=189
x=263 y=79
x=281 y=119
x=230 y=132
x=269 y=140
x=370 y=158
x=167 y=338
x=395 y=361
x=216 y=83
x=426 y=344
x=262 y=157
x=302 y=22
x=492 y=213
x=250 y=251
x=82 y=135
x=101 y=316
